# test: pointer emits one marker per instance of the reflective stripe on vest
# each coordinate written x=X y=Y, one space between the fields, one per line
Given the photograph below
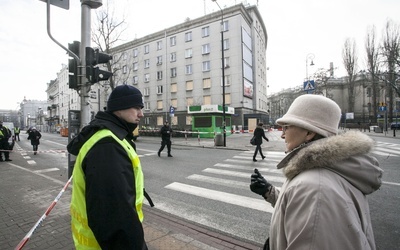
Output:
x=82 y=234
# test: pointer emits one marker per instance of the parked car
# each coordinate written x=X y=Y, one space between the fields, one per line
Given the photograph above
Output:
x=395 y=125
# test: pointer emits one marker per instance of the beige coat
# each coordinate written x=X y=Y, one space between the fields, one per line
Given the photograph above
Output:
x=323 y=203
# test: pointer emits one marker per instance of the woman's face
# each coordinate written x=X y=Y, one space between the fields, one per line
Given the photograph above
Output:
x=295 y=136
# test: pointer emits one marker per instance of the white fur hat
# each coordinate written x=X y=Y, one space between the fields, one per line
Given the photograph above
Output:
x=314 y=113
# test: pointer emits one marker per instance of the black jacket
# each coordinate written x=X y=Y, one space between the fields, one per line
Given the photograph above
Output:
x=166 y=132
x=259 y=134
x=110 y=185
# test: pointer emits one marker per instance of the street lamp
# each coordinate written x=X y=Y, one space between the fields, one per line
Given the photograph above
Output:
x=311 y=57
x=223 y=71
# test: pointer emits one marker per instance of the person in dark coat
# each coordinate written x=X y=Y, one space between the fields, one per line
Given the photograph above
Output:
x=259 y=134
x=5 y=135
x=165 y=132
x=108 y=193
x=34 y=136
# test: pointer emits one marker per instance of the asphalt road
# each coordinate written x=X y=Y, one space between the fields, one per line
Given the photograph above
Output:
x=209 y=186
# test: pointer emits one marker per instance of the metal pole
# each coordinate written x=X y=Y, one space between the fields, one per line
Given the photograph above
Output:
x=223 y=72
x=85 y=42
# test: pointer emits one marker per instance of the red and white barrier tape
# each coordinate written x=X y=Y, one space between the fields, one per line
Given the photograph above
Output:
x=52 y=205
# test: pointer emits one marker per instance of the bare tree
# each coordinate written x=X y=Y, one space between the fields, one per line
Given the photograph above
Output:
x=350 y=63
x=372 y=51
x=391 y=55
x=106 y=35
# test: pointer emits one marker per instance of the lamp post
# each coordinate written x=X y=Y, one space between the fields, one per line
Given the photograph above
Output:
x=223 y=72
x=311 y=57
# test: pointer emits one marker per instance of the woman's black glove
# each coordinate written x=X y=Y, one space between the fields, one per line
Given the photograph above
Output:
x=259 y=184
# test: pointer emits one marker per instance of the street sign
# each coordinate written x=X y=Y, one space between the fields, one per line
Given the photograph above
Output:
x=309 y=85
x=59 y=3
x=382 y=108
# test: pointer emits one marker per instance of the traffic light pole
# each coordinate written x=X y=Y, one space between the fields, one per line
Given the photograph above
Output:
x=85 y=42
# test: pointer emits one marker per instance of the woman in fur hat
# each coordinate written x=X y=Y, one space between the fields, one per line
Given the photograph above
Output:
x=323 y=203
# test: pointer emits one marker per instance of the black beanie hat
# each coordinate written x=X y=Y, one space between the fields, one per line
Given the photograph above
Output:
x=124 y=97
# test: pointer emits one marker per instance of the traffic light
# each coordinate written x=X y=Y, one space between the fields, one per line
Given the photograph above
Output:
x=73 y=65
x=94 y=57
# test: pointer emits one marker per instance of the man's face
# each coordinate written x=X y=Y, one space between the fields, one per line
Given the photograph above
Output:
x=131 y=115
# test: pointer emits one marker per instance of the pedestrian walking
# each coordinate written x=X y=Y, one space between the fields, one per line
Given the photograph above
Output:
x=34 y=136
x=16 y=133
x=108 y=193
x=259 y=134
x=5 y=135
x=323 y=203
x=166 y=132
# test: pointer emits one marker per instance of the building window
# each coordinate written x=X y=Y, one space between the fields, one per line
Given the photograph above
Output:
x=135 y=66
x=160 y=105
x=188 y=69
x=205 y=31
x=226 y=44
x=174 y=120
x=160 y=120
x=226 y=62
x=206 y=83
x=189 y=120
x=225 y=25
x=172 y=41
x=124 y=69
x=135 y=80
x=205 y=49
x=227 y=80
x=159 y=45
x=124 y=56
x=174 y=103
x=206 y=66
x=159 y=89
x=174 y=87
x=188 y=53
x=173 y=72
x=146 y=91
x=189 y=85
x=159 y=60
x=146 y=49
x=188 y=36
x=146 y=77
x=207 y=100
x=146 y=63
x=159 y=75
x=146 y=105
x=135 y=52
x=147 y=120
x=227 y=98
x=172 y=57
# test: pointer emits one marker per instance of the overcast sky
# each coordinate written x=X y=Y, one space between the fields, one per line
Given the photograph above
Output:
x=295 y=28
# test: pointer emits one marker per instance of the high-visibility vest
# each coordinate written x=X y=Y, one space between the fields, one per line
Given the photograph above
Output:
x=16 y=130
x=81 y=232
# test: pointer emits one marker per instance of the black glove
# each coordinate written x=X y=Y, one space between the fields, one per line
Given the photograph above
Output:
x=259 y=184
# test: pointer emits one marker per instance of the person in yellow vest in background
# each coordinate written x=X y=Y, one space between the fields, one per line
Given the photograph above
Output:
x=16 y=133
x=108 y=182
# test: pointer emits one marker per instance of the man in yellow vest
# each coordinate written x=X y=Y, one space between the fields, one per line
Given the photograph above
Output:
x=108 y=188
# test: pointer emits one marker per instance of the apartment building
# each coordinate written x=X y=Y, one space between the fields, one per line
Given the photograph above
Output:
x=181 y=67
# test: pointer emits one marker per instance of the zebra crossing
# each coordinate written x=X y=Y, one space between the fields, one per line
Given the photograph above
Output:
x=387 y=149
x=234 y=172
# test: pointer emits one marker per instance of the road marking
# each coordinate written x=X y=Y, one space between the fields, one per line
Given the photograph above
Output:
x=39 y=174
x=46 y=170
x=239 y=200
x=242 y=175
x=31 y=162
x=391 y=183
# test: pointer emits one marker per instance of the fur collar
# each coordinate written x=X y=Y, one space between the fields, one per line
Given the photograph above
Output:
x=325 y=152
